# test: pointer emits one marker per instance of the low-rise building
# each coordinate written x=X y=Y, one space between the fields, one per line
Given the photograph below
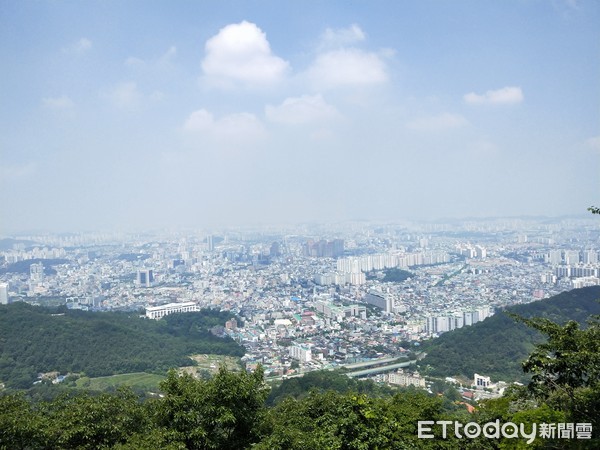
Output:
x=156 y=312
x=402 y=378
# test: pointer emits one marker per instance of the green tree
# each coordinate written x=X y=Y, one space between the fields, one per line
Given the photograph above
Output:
x=326 y=421
x=93 y=422
x=565 y=373
x=20 y=424
x=222 y=412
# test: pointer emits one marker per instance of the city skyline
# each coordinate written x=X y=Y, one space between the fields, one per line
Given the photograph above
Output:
x=206 y=114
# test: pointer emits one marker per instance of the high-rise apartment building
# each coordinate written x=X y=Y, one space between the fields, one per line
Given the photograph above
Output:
x=3 y=294
x=380 y=300
x=554 y=257
x=36 y=272
x=572 y=257
x=590 y=257
x=301 y=352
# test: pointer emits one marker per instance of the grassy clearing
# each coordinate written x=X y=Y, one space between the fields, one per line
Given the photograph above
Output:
x=209 y=364
x=143 y=381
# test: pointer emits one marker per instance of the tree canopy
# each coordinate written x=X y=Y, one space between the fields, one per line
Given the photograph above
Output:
x=35 y=340
x=229 y=410
x=497 y=346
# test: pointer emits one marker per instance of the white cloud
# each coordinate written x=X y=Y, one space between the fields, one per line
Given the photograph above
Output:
x=200 y=120
x=79 y=47
x=234 y=128
x=170 y=54
x=62 y=102
x=166 y=59
x=132 y=61
x=593 y=142
x=348 y=67
x=299 y=110
x=506 y=95
x=83 y=45
x=342 y=37
x=126 y=95
x=441 y=122
x=241 y=52
x=321 y=135
x=16 y=172
x=483 y=148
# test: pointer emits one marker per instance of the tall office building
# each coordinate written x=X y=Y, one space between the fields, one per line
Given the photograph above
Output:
x=3 y=294
x=145 y=277
x=210 y=244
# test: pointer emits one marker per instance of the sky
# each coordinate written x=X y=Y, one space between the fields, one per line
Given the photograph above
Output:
x=132 y=115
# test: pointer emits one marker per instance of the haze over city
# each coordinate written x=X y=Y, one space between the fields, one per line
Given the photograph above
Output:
x=132 y=115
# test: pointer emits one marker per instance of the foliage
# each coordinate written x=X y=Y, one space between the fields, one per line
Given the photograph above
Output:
x=88 y=422
x=36 y=339
x=229 y=410
x=9 y=243
x=20 y=425
x=566 y=369
x=396 y=275
x=323 y=381
x=496 y=346
x=564 y=388
x=325 y=421
x=24 y=266
x=196 y=324
x=393 y=275
x=82 y=421
x=222 y=412
x=331 y=420
x=142 y=382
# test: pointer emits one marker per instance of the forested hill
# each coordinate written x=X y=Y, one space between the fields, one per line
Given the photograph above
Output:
x=497 y=346
x=34 y=339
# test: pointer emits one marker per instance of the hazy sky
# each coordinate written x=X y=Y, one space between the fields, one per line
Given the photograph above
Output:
x=135 y=114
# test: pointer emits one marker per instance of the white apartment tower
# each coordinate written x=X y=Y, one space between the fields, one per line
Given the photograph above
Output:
x=3 y=294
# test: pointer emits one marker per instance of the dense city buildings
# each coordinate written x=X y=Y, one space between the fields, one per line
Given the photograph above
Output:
x=312 y=296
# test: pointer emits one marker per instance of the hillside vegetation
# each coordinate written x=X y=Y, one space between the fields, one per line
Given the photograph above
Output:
x=229 y=410
x=497 y=346
x=324 y=381
x=35 y=339
x=25 y=265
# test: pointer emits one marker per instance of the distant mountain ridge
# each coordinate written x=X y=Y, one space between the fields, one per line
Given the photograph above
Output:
x=497 y=346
